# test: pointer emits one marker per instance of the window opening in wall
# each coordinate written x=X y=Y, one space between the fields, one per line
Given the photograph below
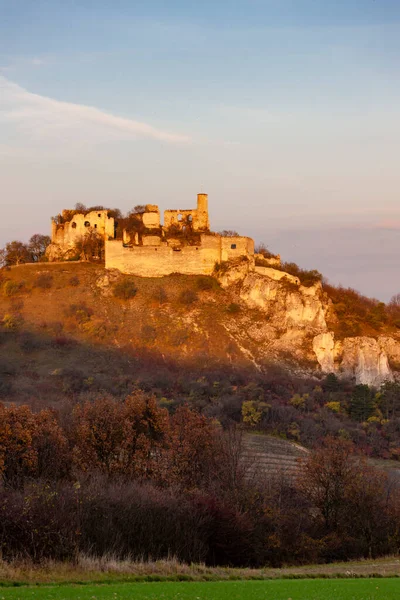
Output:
x=99 y=215
x=190 y=218
x=95 y=226
x=87 y=224
x=73 y=225
x=233 y=246
x=179 y=217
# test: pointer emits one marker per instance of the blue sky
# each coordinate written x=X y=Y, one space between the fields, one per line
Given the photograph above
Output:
x=287 y=112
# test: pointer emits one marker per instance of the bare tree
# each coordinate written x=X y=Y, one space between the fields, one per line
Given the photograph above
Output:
x=395 y=301
x=17 y=253
x=37 y=246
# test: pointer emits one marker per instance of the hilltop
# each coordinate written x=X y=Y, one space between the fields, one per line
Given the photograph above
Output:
x=258 y=347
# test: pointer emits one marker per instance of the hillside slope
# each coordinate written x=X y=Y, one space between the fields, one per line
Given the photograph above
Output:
x=247 y=318
x=258 y=341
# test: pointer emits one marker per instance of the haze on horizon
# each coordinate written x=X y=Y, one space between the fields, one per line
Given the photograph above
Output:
x=286 y=112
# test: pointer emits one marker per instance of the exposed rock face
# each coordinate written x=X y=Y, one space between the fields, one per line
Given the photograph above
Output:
x=277 y=275
x=294 y=313
x=365 y=359
x=296 y=325
x=54 y=253
x=280 y=295
x=323 y=346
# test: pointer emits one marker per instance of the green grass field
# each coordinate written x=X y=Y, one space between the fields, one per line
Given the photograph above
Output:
x=307 y=589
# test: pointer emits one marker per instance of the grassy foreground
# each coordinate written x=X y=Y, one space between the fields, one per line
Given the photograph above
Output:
x=109 y=570
x=278 y=589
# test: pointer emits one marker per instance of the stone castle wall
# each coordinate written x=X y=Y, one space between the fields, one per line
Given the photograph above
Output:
x=67 y=234
x=196 y=218
x=162 y=259
x=183 y=244
x=157 y=261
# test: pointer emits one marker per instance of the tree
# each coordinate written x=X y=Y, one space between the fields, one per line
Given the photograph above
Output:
x=331 y=383
x=362 y=403
x=31 y=445
x=51 y=446
x=17 y=253
x=263 y=249
x=325 y=477
x=395 y=301
x=145 y=437
x=389 y=400
x=193 y=449
x=123 y=438
x=366 y=501
x=348 y=497
x=18 y=457
x=91 y=246
x=251 y=415
x=228 y=233
x=3 y=258
x=37 y=246
x=137 y=210
x=98 y=435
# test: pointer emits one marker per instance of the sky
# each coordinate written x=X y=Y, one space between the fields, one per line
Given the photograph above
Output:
x=286 y=112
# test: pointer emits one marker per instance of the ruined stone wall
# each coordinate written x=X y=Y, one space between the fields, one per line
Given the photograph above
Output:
x=157 y=261
x=233 y=247
x=180 y=218
x=197 y=218
x=69 y=233
x=151 y=217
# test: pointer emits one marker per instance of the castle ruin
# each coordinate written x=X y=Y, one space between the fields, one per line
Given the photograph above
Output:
x=140 y=245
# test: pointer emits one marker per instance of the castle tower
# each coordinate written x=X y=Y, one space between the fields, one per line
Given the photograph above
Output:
x=202 y=212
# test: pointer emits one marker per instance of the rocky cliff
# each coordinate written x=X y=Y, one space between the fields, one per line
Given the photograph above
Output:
x=296 y=327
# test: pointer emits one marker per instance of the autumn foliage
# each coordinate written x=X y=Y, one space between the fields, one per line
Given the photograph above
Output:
x=129 y=478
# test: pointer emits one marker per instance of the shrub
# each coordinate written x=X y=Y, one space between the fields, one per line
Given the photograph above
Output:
x=307 y=278
x=149 y=334
x=160 y=295
x=95 y=327
x=355 y=311
x=74 y=281
x=125 y=289
x=187 y=297
x=205 y=283
x=44 y=281
x=11 y=288
x=263 y=249
x=12 y=321
x=233 y=308
x=80 y=311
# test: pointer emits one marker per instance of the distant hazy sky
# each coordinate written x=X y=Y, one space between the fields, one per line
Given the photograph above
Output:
x=287 y=112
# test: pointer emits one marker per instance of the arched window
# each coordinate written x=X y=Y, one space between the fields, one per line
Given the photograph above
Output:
x=73 y=225
x=179 y=217
x=87 y=224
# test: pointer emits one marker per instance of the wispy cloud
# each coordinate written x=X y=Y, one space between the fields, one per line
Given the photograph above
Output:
x=43 y=118
x=9 y=63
